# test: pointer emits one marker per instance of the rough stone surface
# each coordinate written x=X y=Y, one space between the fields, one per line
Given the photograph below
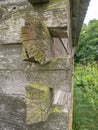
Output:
x=10 y=57
x=12 y=116
x=16 y=74
x=58 y=32
x=58 y=48
x=61 y=98
x=36 y=42
x=15 y=14
x=12 y=112
x=39 y=99
x=56 y=121
x=14 y=81
x=57 y=64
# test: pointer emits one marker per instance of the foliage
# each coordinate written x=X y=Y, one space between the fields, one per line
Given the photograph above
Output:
x=85 y=113
x=87 y=50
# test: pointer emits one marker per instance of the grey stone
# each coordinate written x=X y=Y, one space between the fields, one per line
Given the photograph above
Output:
x=36 y=42
x=12 y=116
x=14 y=19
x=10 y=58
x=56 y=121
x=12 y=113
x=39 y=98
x=15 y=81
x=15 y=74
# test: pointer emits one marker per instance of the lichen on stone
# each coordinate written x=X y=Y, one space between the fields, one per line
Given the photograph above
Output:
x=36 y=42
x=38 y=101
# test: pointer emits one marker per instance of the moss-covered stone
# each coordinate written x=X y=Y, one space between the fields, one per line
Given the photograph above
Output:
x=55 y=121
x=37 y=42
x=38 y=102
x=57 y=64
x=56 y=110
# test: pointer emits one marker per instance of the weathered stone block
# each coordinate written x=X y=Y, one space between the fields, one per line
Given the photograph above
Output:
x=57 y=64
x=10 y=58
x=59 y=32
x=62 y=98
x=38 y=103
x=12 y=112
x=57 y=120
x=14 y=81
x=15 y=74
x=37 y=42
x=54 y=14
x=59 y=48
x=12 y=116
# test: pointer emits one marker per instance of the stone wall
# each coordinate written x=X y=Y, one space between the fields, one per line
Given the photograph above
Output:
x=36 y=93
x=16 y=74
